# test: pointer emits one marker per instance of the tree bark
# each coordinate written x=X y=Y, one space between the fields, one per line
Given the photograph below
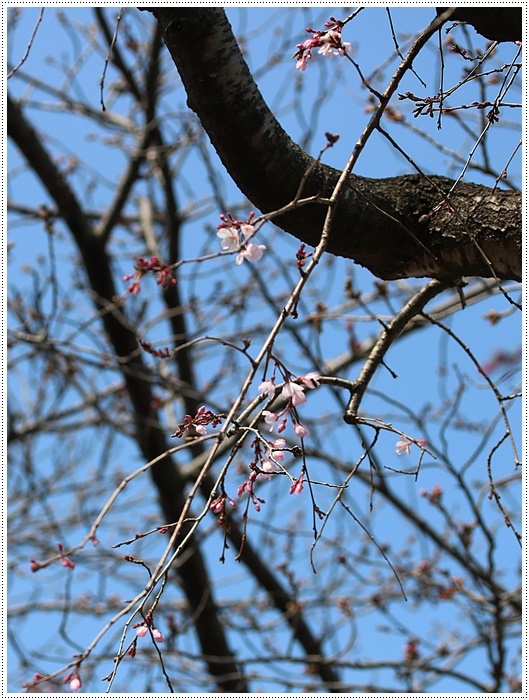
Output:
x=496 y=23
x=377 y=220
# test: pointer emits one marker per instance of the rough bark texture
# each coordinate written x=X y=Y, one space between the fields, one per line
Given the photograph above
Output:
x=369 y=223
x=497 y=23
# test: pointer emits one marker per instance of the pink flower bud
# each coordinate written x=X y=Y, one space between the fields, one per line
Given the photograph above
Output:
x=300 y=430
x=75 y=683
x=158 y=636
x=142 y=631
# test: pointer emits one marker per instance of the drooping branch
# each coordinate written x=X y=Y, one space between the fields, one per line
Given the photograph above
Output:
x=375 y=217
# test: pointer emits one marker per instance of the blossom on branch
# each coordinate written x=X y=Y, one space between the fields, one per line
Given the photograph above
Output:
x=165 y=274
x=235 y=236
x=329 y=43
x=405 y=445
x=293 y=392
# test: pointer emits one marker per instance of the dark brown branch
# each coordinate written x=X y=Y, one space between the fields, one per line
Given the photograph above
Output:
x=496 y=23
x=268 y=167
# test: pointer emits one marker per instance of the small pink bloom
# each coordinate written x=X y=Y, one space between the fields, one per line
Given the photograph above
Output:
x=247 y=230
x=201 y=429
x=326 y=50
x=142 y=631
x=300 y=430
x=267 y=466
x=251 y=251
x=422 y=442
x=230 y=239
x=311 y=379
x=267 y=387
x=279 y=443
x=403 y=446
x=301 y=64
x=158 y=636
x=294 y=392
x=270 y=418
x=68 y=563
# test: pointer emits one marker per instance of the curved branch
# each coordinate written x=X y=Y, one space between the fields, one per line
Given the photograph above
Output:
x=375 y=217
x=497 y=23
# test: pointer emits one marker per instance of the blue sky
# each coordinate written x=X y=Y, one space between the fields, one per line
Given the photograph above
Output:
x=427 y=365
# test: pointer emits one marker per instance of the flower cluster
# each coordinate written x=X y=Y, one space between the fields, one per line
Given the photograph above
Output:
x=165 y=274
x=235 y=236
x=199 y=421
x=293 y=392
x=329 y=43
x=218 y=506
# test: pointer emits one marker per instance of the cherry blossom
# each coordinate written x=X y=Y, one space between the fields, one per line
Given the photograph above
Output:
x=235 y=237
x=270 y=418
x=294 y=392
x=311 y=380
x=142 y=631
x=250 y=251
x=329 y=42
x=403 y=446
x=230 y=238
x=267 y=387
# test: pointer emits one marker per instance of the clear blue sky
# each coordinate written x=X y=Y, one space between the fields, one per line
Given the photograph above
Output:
x=415 y=360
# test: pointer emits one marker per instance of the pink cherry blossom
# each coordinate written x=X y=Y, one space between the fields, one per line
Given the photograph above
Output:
x=142 y=631
x=270 y=418
x=294 y=392
x=230 y=238
x=251 y=251
x=326 y=50
x=403 y=446
x=311 y=379
x=201 y=429
x=247 y=230
x=267 y=387
x=267 y=466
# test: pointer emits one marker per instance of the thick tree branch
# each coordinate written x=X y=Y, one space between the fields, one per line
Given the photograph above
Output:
x=497 y=23
x=374 y=219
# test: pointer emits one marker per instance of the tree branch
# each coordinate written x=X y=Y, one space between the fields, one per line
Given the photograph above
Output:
x=374 y=217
